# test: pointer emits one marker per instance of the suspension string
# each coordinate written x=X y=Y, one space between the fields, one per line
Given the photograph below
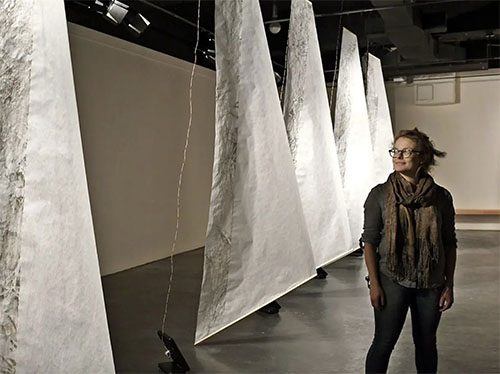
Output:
x=365 y=63
x=337 y=57
x=285 y=68
x=183 y=164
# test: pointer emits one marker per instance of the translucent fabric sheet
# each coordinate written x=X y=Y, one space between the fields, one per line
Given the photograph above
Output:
x=257 y=246
x=310 y=135
x=352 y=134
x=15 y=69
x=62 y=324
x=380 y=119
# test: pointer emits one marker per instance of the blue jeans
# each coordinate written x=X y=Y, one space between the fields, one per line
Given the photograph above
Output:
x=425 y=316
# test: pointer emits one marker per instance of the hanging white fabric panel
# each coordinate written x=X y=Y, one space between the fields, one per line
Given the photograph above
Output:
x=257 y=246
x=15 y=68
x=310 y=135
x=352 y=134
x=61 y=324
x=380 y=119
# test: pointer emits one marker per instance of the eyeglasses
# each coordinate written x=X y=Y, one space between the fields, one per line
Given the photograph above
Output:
x=407 y=152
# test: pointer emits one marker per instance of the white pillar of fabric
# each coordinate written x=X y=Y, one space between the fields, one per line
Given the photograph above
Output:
x=352 y=134
x=62 y=325
x=380 y=119
x=257 y=245
x=310 y=135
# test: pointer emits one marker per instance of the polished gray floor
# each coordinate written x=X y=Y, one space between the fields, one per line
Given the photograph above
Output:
x=325 y=326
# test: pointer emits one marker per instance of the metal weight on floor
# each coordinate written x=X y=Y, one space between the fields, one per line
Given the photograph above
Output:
x=178 y=363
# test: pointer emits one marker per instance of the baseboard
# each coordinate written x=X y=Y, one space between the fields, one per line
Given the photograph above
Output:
x=464 y=222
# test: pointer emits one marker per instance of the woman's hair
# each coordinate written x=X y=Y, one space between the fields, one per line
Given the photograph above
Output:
x=424 y=145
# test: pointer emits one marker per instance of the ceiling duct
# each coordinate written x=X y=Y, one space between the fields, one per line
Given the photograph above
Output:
x=403 y=27
x=398 y=70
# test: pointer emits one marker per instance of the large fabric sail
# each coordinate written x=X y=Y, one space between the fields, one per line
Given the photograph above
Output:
x=380 y=119
x=352 y=134
x=54 y=321
x=310 y=135
x=257 y=246
x=15 y=73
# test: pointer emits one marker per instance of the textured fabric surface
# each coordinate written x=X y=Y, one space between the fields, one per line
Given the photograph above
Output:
x=15 y=66
x=380 y=119
x=62 y=324
x=310 y=134
x=412 y=220
x=352 y=134
x=256 y=223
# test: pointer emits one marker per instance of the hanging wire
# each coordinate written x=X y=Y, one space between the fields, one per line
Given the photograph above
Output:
x=183 y=164
x=285 y=71
x=337 y=56
x=285 y=67
x=364 y=63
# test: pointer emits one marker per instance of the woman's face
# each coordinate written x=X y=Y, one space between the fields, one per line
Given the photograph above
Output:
x=406 y=165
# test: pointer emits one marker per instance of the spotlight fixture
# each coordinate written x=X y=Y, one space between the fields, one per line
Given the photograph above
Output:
x=116 y=11
x=207 y=46
x=97 y=6
x=136 y=22
x=275 y=27
x=208 y=54
x=278 y=78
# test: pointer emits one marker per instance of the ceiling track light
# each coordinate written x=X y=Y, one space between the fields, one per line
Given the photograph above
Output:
x=116 y=11
x=136 y=22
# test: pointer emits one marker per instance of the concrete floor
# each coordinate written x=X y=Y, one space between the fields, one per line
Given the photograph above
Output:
x=325 y=326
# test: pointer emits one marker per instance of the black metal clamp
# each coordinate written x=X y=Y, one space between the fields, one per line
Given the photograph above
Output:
x=178 y=363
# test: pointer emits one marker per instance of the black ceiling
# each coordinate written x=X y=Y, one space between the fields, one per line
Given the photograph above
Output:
x=412 y=37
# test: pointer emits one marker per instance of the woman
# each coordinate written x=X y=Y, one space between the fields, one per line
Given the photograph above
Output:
x=410 y=252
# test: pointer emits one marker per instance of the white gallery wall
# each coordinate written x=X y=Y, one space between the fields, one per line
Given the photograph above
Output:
x=133 y=105
x=469 y=131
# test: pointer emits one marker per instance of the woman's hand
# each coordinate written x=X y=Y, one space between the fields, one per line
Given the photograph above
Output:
x=446 y=300
x=377 y=297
